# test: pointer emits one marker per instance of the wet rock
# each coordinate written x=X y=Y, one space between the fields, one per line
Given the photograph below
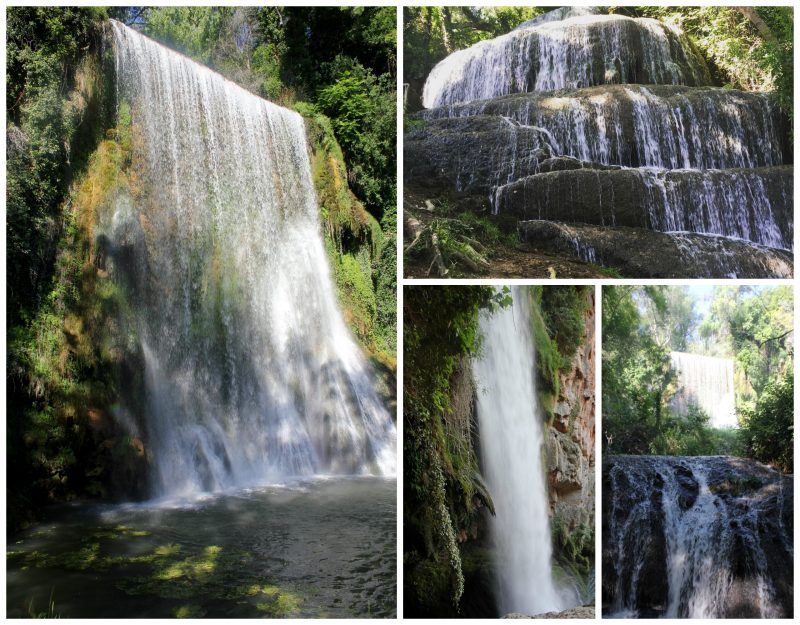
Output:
x=748 y=529
x=566 y=467
x=471 y=155
x=751 y=204
x=638 y=252
x=648 y=125
x=688 y=487
x=586 y=612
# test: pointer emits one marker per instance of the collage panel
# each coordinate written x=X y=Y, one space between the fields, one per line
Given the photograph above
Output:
x=201 y=319
x=499 y=451
x=597 y=142
x=698 y=451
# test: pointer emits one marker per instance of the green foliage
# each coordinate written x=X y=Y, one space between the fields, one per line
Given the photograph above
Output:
x=363 y=113
x=384 y=275
x=557 y=326
x=362 y=252
x=486 y=230
x=548 y=358
x=755 y=327
x=751 y=48
x=440 y=331
x=574 y=548
x=636 y=372
x=430 y=33
x=452 y=242
x=64 y=357
x=195 y=31
x=751 y=324
x=768 y=428
x=46 y=131
x=563 y=310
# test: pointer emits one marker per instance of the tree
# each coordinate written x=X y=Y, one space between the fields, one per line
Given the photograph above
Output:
x=768 y=428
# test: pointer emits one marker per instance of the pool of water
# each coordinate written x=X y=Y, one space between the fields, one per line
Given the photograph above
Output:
x=318 y=548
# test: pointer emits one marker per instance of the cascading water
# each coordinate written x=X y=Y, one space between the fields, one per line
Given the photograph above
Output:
x=251 y=373
x=696 y=537
x=707 y=383
x=672 y=154
x=511 y=439
x=561 y=55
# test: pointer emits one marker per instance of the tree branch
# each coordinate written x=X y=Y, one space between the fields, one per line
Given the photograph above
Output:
x=774 y=338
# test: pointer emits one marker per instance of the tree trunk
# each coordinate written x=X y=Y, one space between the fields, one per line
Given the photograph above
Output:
x=760 y=25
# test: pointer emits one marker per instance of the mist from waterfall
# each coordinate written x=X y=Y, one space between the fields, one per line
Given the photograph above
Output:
x=511 y=431
x=250 y=372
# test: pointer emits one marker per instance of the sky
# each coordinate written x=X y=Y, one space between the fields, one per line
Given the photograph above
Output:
x=702 y=294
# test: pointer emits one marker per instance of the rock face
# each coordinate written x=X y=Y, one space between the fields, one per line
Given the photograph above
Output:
x=696 y=537
x=650 y=254
x=647 y=126
x=548 y=122
x=570 y=440
x=750 y=204
x=473 y=155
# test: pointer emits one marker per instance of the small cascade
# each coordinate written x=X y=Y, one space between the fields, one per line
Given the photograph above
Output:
x=250 y=372
x=629 y=132
x=707 y=383
x=651 y=254
x=661 y=126
x=511 y=440
x=749 y=204
x=695 y=537
x=574 y=52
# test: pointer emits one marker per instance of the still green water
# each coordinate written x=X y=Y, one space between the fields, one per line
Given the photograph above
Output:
x=320 y=548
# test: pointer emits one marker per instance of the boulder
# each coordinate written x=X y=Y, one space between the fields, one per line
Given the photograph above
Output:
x=751 y=204
x=642 y=253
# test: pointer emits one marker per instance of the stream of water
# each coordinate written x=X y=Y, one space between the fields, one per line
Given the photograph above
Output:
x=511 y=439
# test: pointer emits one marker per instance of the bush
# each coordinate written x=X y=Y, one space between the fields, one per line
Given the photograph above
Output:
x=768 y=429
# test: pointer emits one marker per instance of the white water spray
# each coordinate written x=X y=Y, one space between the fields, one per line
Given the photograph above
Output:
x=250 y=372
x=511 y=440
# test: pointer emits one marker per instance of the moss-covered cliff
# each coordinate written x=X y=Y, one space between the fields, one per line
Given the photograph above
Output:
x=362 y=252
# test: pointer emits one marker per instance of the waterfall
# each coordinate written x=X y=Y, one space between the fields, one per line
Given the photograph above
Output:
x=250 y=372
x=662 y=126
x=707 y=383
x=749 y=204
x=511 y=433
x=578 y=51
x=696 y=537
x=623 y=129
